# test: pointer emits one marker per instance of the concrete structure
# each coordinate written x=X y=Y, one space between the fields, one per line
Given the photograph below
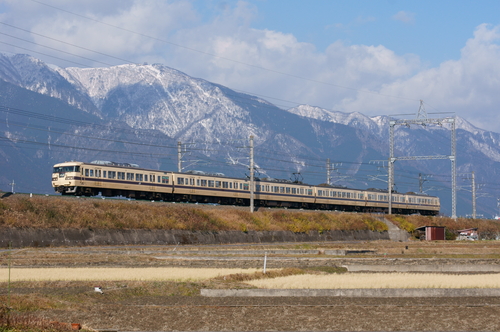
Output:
x=361 y=292
x=40 y=237
x=429 y=268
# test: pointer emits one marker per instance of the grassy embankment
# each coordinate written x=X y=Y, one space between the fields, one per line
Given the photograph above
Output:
x=58 y=212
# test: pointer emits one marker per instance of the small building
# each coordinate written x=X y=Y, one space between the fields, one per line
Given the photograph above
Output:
x=432 y=233
x=468 y=234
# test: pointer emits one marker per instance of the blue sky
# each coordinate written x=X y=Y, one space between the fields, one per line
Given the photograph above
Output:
x=372 y=57
x=434 y=30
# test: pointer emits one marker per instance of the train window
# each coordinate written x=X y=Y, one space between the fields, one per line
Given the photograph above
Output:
x=198 y=182
x=294 y=190
x=91 y=172
x=230 y=185
x=282 y=189
x=98 y=173
x=302 y=191
x=241 y=186
x=257 y=187
x=320 y=192
x=180 y=181
x=103 y=174
x=217 y=184
x=130 y=176
x=86 y=172
x=138 y=177
x=164 y=179
x=211 y=183
x=287 y=190
x=246 y=186
x=309 y=192
x=191 y=182
x=225 y=184
x=361 y=196
x=121 y=175
x=203 y=183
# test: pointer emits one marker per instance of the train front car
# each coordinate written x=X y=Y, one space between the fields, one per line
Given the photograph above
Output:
x=65 y=176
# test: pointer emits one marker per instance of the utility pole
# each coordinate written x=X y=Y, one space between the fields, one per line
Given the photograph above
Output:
x=328 y=171
x=179 y=157
x=473 y=196
x=252 y=185
x=421 y=181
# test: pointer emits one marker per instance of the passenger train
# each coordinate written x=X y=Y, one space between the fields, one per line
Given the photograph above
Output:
x=112 y=179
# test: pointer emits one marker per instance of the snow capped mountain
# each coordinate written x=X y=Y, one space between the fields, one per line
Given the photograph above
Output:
x=356 y=120
x=138 y=112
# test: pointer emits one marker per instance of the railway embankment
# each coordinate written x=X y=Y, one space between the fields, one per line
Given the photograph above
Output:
x=43 y=237
x=41 y=221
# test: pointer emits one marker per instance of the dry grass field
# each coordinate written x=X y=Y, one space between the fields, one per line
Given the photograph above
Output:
x=132 y=303
x=380 y=280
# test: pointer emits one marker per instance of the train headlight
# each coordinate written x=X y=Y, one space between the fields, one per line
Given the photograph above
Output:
x=54 y=178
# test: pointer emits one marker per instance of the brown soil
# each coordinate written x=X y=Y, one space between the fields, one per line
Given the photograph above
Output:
x=288 y=314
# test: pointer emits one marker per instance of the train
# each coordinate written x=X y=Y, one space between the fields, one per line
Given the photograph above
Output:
x=111 y=179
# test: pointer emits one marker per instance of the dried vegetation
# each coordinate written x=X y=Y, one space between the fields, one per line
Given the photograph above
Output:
x=59 y=212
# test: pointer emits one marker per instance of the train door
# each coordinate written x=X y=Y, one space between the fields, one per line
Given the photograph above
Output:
x=98 y=177
x=192 y=188
x=82 y=175
x=152 y=182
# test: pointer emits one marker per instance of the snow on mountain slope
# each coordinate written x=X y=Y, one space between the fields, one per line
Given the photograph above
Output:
x=34 y=75
x=161 y=98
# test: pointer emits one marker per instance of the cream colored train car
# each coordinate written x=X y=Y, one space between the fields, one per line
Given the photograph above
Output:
x=110 y=179
x=127 y=180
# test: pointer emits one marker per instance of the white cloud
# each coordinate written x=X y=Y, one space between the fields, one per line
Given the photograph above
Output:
x=468 y=86
x=404 y=17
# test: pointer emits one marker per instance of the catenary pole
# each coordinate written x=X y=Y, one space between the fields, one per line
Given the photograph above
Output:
x=252 y=185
